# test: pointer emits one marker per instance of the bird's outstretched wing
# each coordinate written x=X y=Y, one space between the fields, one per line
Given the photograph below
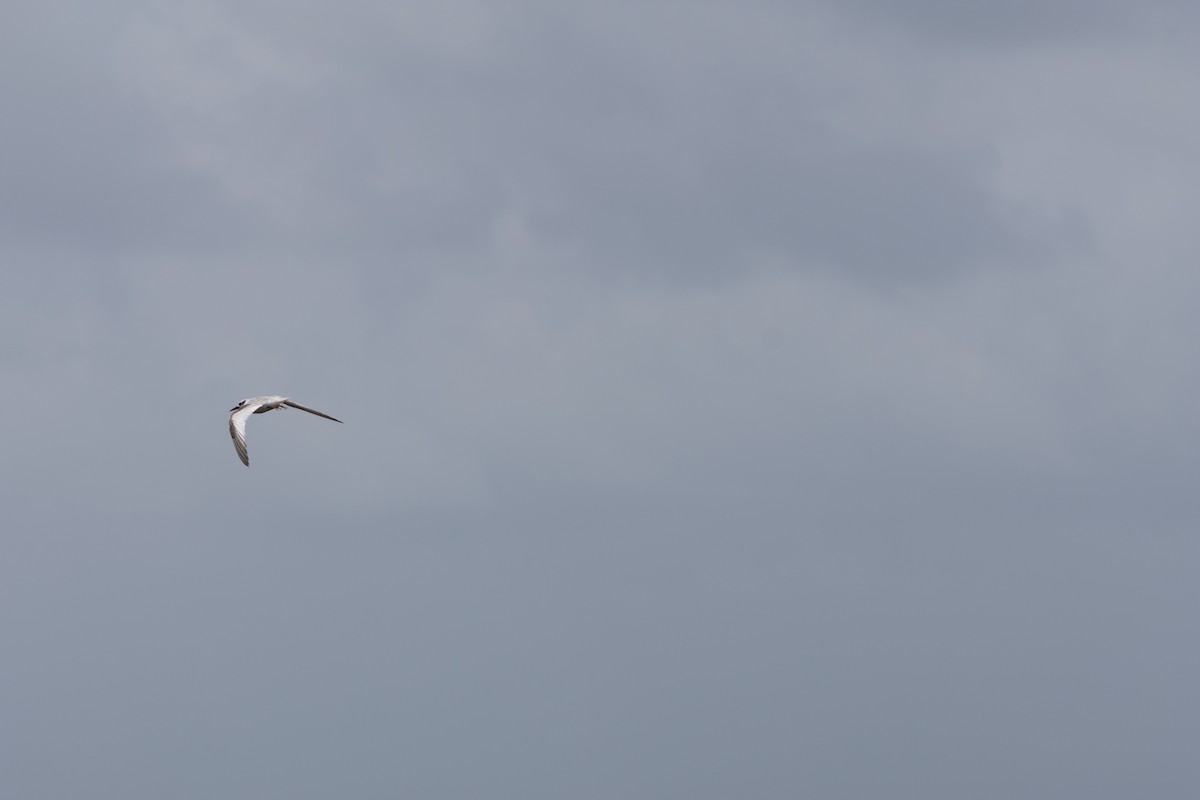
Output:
x=302 y=408
x=237 y=429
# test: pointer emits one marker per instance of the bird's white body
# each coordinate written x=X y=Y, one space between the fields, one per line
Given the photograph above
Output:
x=258 y=405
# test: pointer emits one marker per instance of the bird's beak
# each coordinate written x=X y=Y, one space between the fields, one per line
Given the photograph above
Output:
x=233 y=409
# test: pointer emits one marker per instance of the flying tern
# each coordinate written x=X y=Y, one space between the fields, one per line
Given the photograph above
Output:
x=258 y=405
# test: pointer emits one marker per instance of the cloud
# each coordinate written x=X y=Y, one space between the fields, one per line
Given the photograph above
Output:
x=691 y=162
x=1023 y=23
x=733 y=395
x=87 y=166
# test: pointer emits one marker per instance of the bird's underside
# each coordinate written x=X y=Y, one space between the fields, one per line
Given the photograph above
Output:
x=259 y=405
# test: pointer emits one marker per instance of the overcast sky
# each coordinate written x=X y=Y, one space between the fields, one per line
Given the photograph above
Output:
x=749 y=399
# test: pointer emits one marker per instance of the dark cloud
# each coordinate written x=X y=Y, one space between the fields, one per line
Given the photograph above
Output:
x=685 y=164
x=892 y=215
x=1026 y=22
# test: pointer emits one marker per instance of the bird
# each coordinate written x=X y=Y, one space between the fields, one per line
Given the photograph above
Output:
x=258 y=405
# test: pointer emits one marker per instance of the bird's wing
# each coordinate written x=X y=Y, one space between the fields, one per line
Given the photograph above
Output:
x=237 y=429
x=309 y=410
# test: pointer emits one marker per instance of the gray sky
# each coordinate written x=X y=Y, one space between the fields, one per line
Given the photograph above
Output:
x=757 y=399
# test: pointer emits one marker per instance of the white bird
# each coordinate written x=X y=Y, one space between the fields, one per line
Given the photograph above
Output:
x=258 y=405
